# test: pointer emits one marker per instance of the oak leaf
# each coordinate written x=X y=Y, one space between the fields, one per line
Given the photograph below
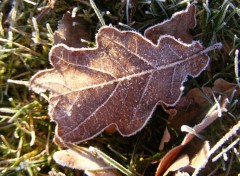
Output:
x=120 y=82
x=178 y=26
x=84 y=160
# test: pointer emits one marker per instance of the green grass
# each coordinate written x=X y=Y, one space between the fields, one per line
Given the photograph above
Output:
x=26 y=133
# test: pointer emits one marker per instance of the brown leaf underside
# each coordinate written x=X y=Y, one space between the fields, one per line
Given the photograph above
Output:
x=119 y=82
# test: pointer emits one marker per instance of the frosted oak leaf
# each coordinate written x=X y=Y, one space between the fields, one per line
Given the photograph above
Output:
x=178 y=26
x=119 y=82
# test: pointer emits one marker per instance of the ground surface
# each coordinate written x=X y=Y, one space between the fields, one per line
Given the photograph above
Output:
x=26 y=133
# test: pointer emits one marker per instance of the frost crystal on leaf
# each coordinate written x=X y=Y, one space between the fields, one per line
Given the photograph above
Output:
x=119 y=82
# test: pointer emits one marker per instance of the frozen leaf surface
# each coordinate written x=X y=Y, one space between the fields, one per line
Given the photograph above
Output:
x=84 y=160
x=178 y=26
x=120 y=82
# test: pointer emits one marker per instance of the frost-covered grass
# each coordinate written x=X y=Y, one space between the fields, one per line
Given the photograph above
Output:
x=26 y=133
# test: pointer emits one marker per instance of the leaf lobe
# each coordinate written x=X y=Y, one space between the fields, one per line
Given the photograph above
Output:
x=119 y=82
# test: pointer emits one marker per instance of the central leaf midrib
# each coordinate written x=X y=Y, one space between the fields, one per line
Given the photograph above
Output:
x=129 y=77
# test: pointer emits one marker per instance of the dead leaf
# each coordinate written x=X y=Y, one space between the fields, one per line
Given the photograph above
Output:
x=171 y=156
x=71 y=30
x=84 y=160
x=120 y=82
x=200 y=159
x=168 y=160
x=180 y=162
x=225 y=88
x=193 y=106
x=192 y=157
x=178 y=26
x=190 y=110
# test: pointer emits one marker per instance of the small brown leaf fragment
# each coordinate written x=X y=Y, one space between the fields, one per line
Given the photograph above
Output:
x=120 y=82
x=191 y=158
x=84 y=160
x=178 y=26
x=168 y=159
x=71 y=30
x=191 y=108
x=179 y=163
x=225 y=88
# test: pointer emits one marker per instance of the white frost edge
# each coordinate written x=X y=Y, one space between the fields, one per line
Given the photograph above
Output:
x=172 y=17
x=95 y=48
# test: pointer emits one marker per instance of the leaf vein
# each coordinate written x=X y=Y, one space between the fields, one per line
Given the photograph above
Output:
x=133 y=53
x=96 y=110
